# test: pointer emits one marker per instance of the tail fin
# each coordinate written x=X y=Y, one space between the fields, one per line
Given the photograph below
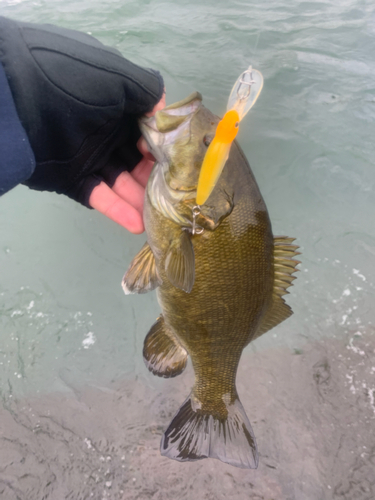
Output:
x=193 y=435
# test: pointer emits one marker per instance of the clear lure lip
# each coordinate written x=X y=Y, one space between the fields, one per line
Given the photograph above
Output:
x=242 y=98
x=245 y=91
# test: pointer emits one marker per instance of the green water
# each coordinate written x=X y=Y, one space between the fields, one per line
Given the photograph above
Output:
x=71 y=342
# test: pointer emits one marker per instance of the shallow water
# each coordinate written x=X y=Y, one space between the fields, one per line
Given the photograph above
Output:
x=81 y=417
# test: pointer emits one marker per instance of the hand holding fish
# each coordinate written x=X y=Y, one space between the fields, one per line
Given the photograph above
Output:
x=75 y=104
x=123 y=202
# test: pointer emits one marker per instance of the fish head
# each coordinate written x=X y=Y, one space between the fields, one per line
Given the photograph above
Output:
x=178 y=136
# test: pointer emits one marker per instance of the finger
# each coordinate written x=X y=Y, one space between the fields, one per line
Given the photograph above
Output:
x=115 y=208
x=142 y=171
x=130 y=190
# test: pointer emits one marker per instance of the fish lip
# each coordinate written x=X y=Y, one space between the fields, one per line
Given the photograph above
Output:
x=178 y=107
x=157 y=140
x=178 y=189
x=149 y=122
x=149 y=130
x=189 y=106
x=186 y=190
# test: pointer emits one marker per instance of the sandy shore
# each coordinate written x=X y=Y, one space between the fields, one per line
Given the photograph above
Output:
x=312 y=411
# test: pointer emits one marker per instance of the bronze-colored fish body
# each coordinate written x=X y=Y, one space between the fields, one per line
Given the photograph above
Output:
x=218 y=289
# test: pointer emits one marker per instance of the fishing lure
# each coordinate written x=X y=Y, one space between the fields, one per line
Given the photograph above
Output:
x=244 y=93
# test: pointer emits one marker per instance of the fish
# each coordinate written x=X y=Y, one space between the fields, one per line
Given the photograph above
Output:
x=220 y=277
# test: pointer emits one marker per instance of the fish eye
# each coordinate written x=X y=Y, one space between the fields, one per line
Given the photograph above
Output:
x=236 y=124
x=207 y=139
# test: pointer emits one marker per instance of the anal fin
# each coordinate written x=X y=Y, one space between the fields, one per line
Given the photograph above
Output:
x=284 y=267
x=162 y=353
x=142 y=275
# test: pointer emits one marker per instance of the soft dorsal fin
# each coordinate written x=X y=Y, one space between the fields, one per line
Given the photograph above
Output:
x=284 y=267
x=142 y=275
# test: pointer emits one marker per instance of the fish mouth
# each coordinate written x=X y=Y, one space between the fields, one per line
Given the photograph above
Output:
x=169 y=124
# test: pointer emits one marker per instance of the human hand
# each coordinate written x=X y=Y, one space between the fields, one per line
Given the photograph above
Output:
x=123 y=203
x=79 y=103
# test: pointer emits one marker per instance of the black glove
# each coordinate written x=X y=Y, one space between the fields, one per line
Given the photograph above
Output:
x=78 y=101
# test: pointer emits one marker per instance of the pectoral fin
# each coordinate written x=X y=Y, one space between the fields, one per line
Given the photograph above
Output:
x=142 y=275
x=162 y=353
x=180 y=263
x=284 y=267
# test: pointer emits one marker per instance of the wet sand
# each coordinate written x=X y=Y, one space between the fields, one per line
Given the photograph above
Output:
x=312 y=411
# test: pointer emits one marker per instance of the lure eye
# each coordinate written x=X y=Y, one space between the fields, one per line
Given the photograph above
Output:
x=207 y=140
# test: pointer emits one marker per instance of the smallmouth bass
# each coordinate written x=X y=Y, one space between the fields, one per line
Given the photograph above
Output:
x=220 y=277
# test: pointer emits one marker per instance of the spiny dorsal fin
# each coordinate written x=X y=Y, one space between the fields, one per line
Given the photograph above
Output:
x=284 y=267
x=142 y=275
x=162 y=353
x=180 y=263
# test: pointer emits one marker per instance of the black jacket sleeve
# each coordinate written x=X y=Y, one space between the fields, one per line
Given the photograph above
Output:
x=17 y=160
x=78 y=102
